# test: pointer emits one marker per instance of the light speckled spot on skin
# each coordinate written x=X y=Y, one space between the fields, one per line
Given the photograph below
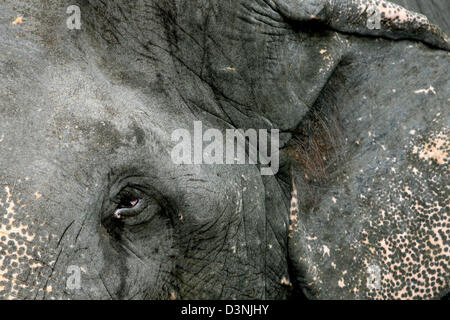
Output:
x=392 y=12
x=407 y=191
x=293 y=211
x=426 y=91
x=414 y=257
x=17 y=20
x=326 y=250
x=17 y=237
x=285 y=281
x=436 y=149
x=10 y=228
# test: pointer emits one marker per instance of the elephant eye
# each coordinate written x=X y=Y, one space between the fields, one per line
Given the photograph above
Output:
x=133 y=207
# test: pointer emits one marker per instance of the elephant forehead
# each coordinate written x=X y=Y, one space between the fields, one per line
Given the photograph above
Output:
x=74 y=95
x=81 y=111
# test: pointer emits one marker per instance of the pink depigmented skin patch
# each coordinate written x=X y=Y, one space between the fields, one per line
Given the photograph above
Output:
x=392 y=12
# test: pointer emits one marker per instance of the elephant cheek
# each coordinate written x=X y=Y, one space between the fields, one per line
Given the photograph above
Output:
x=43 y=257
x=28 y=250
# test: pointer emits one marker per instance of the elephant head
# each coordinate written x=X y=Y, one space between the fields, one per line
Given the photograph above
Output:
x=88 y=185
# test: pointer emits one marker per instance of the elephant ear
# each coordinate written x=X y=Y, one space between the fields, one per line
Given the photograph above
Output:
x=369 y=214
x=366 y=17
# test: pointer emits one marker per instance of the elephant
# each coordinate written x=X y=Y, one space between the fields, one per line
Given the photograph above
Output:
x=92 y=205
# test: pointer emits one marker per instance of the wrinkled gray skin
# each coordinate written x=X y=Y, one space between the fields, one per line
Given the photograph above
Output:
x=86 y=118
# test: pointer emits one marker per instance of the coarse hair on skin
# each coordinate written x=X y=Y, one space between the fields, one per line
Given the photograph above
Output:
x=317 y=144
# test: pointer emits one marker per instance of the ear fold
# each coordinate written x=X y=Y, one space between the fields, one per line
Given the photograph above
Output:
x=366 y=17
